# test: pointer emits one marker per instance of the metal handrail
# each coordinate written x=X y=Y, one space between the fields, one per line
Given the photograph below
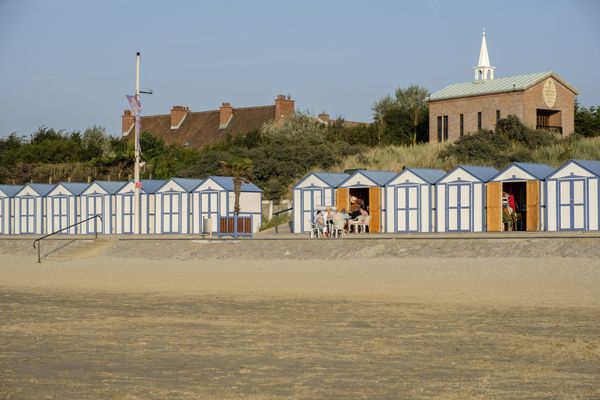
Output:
x=275 y=214
x=64 y=229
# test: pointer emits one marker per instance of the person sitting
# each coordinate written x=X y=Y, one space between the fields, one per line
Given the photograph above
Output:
x=320 y=222
x=360 y=217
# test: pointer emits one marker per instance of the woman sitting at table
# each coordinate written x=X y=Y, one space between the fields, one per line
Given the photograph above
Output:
x=320 y=222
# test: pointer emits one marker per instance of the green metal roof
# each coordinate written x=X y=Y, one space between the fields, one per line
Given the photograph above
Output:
x=500 y=85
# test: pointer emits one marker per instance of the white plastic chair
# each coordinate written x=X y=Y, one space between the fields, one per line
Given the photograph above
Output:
x=314 y=231
x=338 y=228
x=364 y=224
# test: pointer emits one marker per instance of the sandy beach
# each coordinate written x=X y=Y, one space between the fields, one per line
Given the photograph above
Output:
x=275 y=319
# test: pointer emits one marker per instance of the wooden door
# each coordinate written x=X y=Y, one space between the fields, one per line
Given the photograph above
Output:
x=375 y=209
x=494 y=206
x=532 y=193
x=342 y=199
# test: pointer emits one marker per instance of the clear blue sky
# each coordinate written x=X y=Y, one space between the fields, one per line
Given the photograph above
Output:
x=67 y=64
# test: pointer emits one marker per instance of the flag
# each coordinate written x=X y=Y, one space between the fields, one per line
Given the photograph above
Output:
x=135 y=104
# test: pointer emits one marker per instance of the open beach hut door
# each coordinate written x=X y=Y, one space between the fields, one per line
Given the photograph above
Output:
x=494 y=204
x=374 y=209
x=342 y=199
x=533 y=206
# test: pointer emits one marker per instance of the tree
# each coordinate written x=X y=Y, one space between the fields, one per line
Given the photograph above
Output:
x=413 y=101
x=240 y=169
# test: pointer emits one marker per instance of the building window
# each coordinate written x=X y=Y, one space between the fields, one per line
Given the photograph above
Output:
x=479 y=121
x=497 y=116
x=445 y=128
x=462 y=124
x=439 y=128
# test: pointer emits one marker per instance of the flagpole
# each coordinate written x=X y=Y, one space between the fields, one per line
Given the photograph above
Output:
x=136 y=171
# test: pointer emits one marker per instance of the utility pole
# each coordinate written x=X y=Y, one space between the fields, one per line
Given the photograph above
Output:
x=136 y=171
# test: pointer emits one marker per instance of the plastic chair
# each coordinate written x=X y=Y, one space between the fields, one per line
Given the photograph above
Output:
x=339 y=228
x=364 y=224
x=314 y=231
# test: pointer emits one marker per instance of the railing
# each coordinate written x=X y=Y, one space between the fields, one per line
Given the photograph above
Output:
x=38 y=240
x=549 y=128
x=276 y=214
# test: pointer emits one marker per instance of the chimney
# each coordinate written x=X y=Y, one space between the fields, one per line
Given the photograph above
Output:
x=127 y=122
x=225 y=115
x=284 y=107
x=324 y=117
x=178 y=114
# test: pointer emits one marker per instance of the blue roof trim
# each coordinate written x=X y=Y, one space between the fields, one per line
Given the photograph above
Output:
x=484 y=174
x=187 y=184
x=151 y=186
x=10 y=190
x=331 y=178
x=75 y=188
x=430 y=175
x=226 y=182
x=41 y=189
x=591 y=165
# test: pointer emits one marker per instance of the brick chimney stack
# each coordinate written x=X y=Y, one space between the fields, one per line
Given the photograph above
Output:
x=324 y=117
x=127 y=122
x=284 y=107
x=225 y=115
x=178 y=114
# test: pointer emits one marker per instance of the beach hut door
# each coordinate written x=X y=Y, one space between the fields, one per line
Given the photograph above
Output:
x=342 y=199
x=375 y=209
x=171 y=213
x=571 y=195
x=458 y=200
x=407 y=209
x=60 y=213
x=27 y=207
x=494 y=204
x=533 y=206
x=94 y=207
x=127 y=213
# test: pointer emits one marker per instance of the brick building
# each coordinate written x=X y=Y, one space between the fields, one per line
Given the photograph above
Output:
x=201 y=128
x=541 y=100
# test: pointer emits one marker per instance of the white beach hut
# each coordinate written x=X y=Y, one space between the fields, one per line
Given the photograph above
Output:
x=368 y=187
x=461 y=199
x=573 y=191
x=173 y=205
x=125 y=207
x=214 y=198
x=314 y=192
x=63 y=203
x=410 y=196
x=525 y=183
x=30 y=208
x=7 y=208
x=99 y=199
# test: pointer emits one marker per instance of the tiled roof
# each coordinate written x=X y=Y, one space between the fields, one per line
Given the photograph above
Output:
x=500 y=85
x=199 y=129
x=10 y=190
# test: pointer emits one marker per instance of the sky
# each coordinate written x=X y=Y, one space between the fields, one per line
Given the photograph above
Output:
x=68 y=64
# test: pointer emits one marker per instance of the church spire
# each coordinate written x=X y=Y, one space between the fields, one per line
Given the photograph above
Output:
x=484 y=71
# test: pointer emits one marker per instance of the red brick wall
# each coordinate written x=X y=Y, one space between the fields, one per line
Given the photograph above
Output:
x=565 y=103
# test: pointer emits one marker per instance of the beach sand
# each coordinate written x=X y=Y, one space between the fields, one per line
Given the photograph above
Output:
x=278 y=319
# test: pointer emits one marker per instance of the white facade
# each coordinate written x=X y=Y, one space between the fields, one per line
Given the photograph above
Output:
x=215 y=198
x=411 y=200
x=572 y=197
x=99 y=199
x=7 y=209
x=31 y=209
x=173 y=207
x=125 y=210
x=313 y=193
x=64 y=209
x=460 y=199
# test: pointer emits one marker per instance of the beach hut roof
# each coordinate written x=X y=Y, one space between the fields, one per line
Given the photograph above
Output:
x=482 y=173
x=430 y=175
x=151 y=185
x=111 y=187
x=591 y=165
x=76 y=188
x=10 y=190
x=41 y=188
x=540 y=171
x=333 y=179
x=379 y=177
x=187 y=184
x=226 y=182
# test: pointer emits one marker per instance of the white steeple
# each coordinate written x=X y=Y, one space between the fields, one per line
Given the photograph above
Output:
x=484 y=71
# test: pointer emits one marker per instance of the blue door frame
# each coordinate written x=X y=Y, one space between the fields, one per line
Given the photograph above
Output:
x=95 y=206
x=312 y=205
x=571 y=205
x=212 y=199
x=459 y=207
x=63 y=212
x=27 y=212
x=407 y=209
x=127 y=216
x=169 y=216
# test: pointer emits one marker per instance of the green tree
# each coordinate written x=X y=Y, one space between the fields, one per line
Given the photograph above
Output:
x=241 y=171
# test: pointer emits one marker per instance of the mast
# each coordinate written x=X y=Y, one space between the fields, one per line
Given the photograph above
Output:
x=136 y=170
